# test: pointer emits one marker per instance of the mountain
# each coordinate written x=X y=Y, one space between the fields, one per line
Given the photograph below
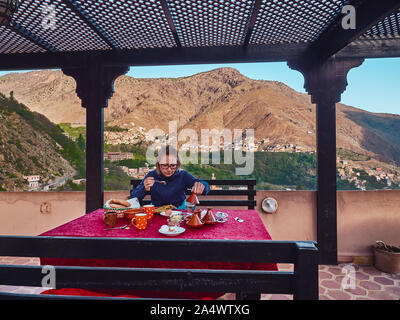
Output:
x=30 y=145
x=221 y=98
x=47 y=92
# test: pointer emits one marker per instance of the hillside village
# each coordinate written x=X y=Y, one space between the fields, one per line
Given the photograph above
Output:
x=134 y=136
x=346 y=169
x=348 y=172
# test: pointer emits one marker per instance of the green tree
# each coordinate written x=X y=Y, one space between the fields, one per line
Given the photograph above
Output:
x=81 y=142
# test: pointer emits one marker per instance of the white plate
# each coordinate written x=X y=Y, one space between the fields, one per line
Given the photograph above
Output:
x=174 y=212
x=165 y=231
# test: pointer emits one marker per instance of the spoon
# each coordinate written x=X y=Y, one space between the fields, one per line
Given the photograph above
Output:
x=162 y=182
x=123 y=227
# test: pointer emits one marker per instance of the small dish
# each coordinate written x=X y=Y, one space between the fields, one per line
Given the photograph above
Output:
x=163 y=213
x=165 y=231
x=221 y=217
x=130 y=213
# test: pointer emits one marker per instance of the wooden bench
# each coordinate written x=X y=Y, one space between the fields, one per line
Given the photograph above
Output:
x=248 y=284
x=250 y=203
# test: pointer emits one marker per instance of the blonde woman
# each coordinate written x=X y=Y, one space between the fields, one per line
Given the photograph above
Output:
x=168 y=183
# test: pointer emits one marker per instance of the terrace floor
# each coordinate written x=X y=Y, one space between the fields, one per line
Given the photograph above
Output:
x=342 y=282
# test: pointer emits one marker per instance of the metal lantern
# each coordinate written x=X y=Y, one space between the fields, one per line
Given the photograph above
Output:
x=7 y=9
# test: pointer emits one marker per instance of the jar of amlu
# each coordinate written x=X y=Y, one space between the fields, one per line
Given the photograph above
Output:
x=110 y=218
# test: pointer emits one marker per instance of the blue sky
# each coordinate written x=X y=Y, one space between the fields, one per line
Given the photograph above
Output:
x=374 y=86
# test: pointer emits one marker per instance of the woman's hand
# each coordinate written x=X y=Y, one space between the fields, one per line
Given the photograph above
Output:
x=198 y=188
x=148 y=183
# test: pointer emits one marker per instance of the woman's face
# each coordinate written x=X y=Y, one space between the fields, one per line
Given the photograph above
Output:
x=168 y=165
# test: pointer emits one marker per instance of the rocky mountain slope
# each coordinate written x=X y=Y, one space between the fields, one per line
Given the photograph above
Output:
x=27 y=148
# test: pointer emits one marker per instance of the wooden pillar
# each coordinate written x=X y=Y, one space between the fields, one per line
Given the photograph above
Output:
x=94 y=86
x=325 y=83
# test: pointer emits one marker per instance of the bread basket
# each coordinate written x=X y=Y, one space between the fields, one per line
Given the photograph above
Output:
x=120 y=211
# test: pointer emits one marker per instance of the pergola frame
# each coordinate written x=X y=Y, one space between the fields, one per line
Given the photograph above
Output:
x=324 y=61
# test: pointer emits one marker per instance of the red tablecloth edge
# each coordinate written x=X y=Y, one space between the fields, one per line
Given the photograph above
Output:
x=89 y=293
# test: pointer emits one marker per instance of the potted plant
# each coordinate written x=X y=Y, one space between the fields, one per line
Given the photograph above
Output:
x=387 y=257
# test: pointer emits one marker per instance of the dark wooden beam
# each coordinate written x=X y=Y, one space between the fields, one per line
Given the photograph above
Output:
x=326 y=180
x=159 y=279
x=171 y=22
x=306 y=288
x=371 y=48
x=154 y=56
x=94 y=86
x=325 y=83
x=365 y=48
x=335 y=37
x=91 y=24
x=94 y=157
x=252 y=21
x=20 y=30
x=257 y=251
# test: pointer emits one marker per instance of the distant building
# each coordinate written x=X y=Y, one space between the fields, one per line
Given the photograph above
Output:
x=117 y=156
x=142 y=171
x=33 y=181
x=133 y=172
x=387 y=181
x=78 y=181
x=124 y=169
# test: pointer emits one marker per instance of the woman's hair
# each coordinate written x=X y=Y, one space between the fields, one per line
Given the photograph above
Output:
x=167 y=150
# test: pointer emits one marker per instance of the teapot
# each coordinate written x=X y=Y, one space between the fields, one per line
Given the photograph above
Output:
x=209 y=218
x=195 y=221
x=192 y=199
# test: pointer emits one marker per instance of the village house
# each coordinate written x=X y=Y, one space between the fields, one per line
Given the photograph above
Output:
x=33 y=181
x=117 y=156
x=78 y=181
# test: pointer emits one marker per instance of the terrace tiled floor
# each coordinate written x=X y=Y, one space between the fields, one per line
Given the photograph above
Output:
x=342 y=282
x=351 y=282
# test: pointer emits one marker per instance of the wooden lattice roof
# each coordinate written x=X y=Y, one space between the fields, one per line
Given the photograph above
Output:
x=205 y=30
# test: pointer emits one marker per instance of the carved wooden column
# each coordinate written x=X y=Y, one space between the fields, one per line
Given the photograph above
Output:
x=94 y=86
x=325 y=83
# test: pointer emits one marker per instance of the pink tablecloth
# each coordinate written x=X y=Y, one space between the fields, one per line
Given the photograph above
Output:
x=91 y=225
